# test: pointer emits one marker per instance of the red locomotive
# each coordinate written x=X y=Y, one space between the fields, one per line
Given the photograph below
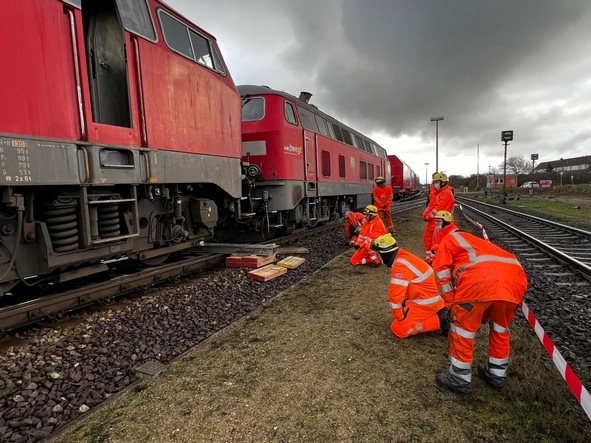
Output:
x=405 y=182
x=120 y=136
x=309 y=167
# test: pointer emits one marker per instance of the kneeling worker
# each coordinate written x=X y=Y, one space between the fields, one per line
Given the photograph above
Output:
x=416 y=305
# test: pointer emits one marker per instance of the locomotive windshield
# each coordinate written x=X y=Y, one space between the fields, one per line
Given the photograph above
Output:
x=252 y=109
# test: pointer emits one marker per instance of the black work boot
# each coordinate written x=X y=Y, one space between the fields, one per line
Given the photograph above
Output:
x=444 y=320
x=491 y=380
x=448 y=382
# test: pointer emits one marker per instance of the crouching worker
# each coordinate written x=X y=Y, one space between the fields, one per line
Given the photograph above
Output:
x=482 y=283
x=416 y=305
x=353 y=223
x=372 y=228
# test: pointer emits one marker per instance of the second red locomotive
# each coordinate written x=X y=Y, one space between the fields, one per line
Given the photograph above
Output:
x=309 y=167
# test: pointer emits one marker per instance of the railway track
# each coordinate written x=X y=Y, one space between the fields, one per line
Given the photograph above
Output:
x=123 y=279
x=558 y=263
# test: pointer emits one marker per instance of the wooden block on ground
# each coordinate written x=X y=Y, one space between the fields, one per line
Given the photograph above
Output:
x=291 y=262
x=234 y=261
x=266 y=273
x=256 y=261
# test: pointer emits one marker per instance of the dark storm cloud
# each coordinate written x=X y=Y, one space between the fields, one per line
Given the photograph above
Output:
x=387 y=66
x=410 y=60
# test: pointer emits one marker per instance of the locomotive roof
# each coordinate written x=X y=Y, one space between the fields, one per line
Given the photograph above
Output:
x=244 y=90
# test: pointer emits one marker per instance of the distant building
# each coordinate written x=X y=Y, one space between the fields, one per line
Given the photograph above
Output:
x=577 y=164
x=496 y=181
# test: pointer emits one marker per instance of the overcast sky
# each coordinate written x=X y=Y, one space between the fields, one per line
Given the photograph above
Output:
x=385 y=67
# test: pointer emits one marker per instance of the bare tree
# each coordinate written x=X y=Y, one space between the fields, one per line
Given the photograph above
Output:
x=518 y=165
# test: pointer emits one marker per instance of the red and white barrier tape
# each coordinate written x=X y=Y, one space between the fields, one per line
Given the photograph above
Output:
x=572 y=381
x=563 y=367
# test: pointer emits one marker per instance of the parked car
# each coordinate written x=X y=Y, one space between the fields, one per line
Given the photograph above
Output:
x=530 y=185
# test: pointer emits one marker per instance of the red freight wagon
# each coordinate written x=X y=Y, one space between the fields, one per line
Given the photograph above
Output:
x=405 y=182
x=310 y=167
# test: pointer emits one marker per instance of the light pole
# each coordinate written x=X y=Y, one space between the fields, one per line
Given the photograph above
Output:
x=436 y=120
x=426 y=167
x=506 y=136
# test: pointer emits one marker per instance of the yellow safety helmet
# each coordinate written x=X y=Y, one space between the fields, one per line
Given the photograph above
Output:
x=440 y=176
x=385 y=244
x=370 y=210
x=445 y=216
x=380 y=180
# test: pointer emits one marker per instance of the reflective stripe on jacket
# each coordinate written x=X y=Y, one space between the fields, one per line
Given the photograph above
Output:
x=413 y=280
x=370 y=230
x=471 y=269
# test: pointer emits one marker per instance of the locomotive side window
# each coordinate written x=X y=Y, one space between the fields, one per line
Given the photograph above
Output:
x=290 y=114
x=359 y=142
x=322 y=126
x=366 y=146
x=307 y=119
x=136 y=18
x=370 y=172
x=337 y=133
x=176 y=35
x=347 y=137
x=189 y=43
x=363 y=170
x=325 y=158
x=252 y=109
x=342 y=166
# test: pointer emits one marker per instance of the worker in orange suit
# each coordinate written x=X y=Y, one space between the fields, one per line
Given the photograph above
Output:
x=482 y=283
x=370 y=230
x=416 y=305
x=441 y=198
x=353 y=223
x=382 y=199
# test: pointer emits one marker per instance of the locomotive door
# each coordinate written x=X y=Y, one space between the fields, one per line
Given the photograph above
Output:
x=107 y=63
x=310 y=156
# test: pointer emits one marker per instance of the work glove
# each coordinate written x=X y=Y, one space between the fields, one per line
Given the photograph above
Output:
x=356 y=245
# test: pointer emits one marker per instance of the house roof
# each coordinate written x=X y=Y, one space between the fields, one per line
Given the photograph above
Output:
x=564 y=162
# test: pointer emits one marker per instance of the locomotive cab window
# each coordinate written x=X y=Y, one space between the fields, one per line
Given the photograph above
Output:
x=189 y=43
x=370 y=172
x=290 y=114
x=252 y=109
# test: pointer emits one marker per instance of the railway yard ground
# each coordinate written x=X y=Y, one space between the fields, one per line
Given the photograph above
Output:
x=319 y=364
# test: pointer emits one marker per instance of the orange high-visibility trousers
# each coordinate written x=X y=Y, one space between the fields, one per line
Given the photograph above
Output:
x=467 y=318
x=417 y=320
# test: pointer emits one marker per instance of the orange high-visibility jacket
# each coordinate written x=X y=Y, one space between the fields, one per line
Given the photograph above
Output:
x=370 y=230
x=382 y=197
x=412 y=279
x=471 y=269
x=353 y=224
x=439 y=200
